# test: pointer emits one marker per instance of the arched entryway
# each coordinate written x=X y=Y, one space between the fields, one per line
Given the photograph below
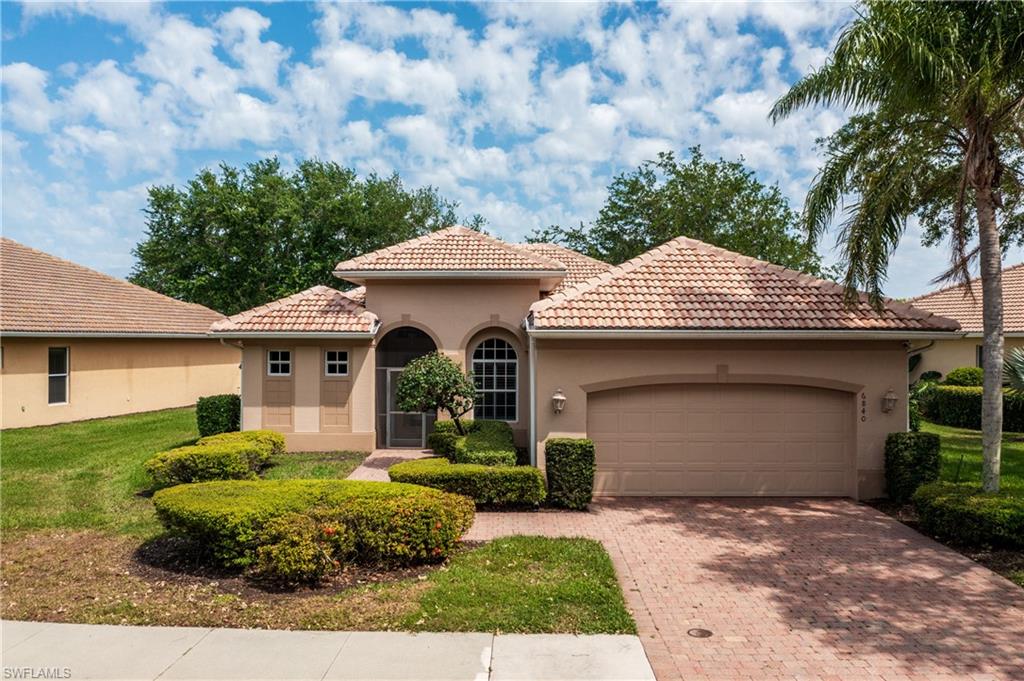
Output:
x=397 y=348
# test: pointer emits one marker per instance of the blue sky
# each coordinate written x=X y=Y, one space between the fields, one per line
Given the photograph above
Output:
x=521 y=112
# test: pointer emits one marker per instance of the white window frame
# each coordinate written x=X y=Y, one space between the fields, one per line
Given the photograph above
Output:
x=66 y=375
x=515 y=362
x=328 y=363
x=270 y=362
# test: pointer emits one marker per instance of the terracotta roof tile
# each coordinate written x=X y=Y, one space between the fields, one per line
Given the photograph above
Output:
x=956 y=302
x=40 y=293
x=448 y=250
x=687 y=284
x=357 y=294
x=316 y=310
x=578 y=267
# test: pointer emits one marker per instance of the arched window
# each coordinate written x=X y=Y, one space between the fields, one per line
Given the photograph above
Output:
x=495 y=372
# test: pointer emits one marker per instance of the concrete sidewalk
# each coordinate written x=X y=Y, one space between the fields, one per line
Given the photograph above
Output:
x=85 y=651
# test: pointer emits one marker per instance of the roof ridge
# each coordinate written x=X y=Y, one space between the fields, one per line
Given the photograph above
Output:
x=353 y=264
x=970 y=284
x=563 y=248
x=246 y=315
x=595 y=281
x=104 y=275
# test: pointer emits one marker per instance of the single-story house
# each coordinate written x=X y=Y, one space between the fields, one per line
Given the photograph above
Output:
x=963 y=303
x=696 y=371
x=77 y=344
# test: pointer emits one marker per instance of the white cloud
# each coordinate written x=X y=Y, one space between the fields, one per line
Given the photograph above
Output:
x=525 y=118
x=27 y=105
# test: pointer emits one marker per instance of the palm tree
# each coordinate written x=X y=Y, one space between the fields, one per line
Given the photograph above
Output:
x=1013 y=371
x=938 y=88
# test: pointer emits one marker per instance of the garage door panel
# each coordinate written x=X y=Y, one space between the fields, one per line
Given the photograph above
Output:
x=722 y=440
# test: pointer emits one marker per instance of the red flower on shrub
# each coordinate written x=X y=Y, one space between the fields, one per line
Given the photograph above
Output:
x=329 y=531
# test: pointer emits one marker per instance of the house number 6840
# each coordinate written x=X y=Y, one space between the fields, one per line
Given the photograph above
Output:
x=863 y=407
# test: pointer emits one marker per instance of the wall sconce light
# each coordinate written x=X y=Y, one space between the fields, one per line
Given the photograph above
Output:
x=889 y=401
x=558 y=401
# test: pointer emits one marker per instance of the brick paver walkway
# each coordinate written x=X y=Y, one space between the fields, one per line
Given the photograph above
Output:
x=794 y=589
x=375 y=466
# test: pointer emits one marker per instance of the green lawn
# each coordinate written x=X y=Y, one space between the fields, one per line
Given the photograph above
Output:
x=514 y=584
x=958 y=441
x=88 y=475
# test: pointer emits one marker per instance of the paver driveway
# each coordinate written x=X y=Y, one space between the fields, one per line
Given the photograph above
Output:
x=794 y=589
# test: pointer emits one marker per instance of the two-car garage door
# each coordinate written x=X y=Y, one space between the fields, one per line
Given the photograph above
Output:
x=721 y=439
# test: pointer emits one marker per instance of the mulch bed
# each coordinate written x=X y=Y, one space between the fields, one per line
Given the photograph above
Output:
x=94 y=577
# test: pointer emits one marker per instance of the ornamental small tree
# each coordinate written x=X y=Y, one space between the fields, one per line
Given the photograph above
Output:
x=435 y=383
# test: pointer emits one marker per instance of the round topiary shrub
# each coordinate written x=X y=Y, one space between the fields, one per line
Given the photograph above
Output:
x=966 y=376
x=390 y=523
x=218 y=414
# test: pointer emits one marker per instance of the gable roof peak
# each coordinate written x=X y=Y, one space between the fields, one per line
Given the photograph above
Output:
x=452 y=249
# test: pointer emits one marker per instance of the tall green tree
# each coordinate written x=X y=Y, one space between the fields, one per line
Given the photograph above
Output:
x=938 y=90
x=719 y=202
x=240 y=237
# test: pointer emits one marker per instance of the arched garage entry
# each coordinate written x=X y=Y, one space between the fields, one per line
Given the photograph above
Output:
x=723 y=439
x=397 y=348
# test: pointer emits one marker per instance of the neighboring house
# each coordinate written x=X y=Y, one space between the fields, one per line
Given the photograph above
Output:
x=695 y=370
x=963 y=303
x=78 y=344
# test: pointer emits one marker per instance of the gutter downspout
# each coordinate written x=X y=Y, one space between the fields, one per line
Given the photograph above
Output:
x=533 y=400
x=241 y=377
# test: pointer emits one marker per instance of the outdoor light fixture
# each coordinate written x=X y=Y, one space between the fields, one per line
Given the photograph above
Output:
x=558 y=401
x=889 y=401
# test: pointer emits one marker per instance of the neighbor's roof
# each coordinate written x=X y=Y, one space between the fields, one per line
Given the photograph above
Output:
x=956 y=302
x=578 y=267
x=316 y=310
x=686 y=285
x=44 y=295
x=455 y=249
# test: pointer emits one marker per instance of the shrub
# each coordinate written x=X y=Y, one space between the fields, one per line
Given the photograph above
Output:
x=911 y=460
x=218 y=414
x=209 y=461
x=294 y=549
x=488 y=443
x=434 y=382
x=570 y=467
x=966 y=515
x=390 y=523
x=271 y=441
x=486 y=485
x=960 y=406
x=930 y=377
x=966 y=376
x=443 y=444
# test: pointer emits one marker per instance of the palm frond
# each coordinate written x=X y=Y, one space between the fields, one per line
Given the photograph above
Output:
x=1013 y=370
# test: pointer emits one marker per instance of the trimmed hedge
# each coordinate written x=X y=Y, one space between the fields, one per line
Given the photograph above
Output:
x=489 y=443
x=218 y=414
x=485 y=485
x=227 y=456
x=911 y=460
x=960 y=406
x=966 y=515
x=271 y=441
x=390 y=523
x=201 y=463
x=966 y=376
x=570 y=466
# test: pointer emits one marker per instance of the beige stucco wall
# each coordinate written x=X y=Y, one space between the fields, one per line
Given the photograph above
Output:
x=947 y=355
x=865 y=369
x=305 y=432
x=458 y=315
x=112 y=376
